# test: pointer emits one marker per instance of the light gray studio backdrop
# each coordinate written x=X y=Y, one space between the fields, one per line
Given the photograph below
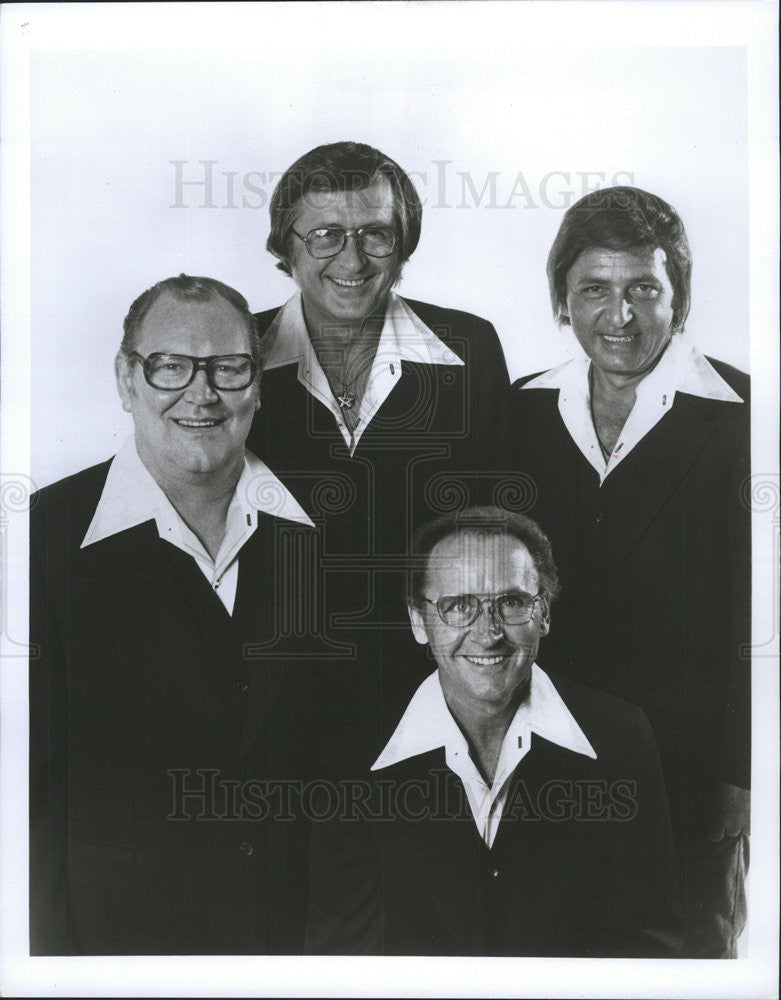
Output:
x=145 y=140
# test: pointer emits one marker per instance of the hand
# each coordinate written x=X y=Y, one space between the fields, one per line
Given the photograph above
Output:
x=731 y=812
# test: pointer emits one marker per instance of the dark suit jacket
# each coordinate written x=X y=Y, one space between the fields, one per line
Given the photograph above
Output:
x=655 y=574
x=582 y=863
x=427 y=450
x=143 y=710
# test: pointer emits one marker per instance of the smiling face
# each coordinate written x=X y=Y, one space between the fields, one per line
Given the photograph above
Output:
x=184 y=435
x=620 y=305
x=345 y=289
x=485 y=667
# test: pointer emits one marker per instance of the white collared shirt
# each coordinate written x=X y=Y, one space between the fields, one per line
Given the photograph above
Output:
x=427 y=725
x=131 y=496
x=404 y=336
x=681 y=368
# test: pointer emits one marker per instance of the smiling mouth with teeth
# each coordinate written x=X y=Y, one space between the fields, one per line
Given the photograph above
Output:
x=485 y=661
x=619 y=340
x=198 y=424
x=346 y=283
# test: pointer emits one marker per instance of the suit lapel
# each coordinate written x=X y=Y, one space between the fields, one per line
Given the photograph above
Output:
x=667 y=452
x=537 y=848
x=447 y=856
x=535 y=855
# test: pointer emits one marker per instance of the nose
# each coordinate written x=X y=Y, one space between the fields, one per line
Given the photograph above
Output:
x=199 y=391
x=487 y=625
x=351 y=256
x=620 y=310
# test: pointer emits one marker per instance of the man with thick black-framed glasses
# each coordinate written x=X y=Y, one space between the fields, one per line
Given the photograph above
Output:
x=152 y=731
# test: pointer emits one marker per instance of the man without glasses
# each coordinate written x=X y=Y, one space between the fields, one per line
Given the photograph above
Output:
x=639 y=453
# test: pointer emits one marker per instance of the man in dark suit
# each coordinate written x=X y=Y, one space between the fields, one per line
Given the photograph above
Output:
x=378 y=412
x=639 y=457
x=158 y=740
x=508 y=813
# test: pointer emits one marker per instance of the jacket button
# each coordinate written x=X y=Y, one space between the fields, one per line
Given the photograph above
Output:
x=600 y=517
x=246 y=848
x=242 y=687
x=493 y=872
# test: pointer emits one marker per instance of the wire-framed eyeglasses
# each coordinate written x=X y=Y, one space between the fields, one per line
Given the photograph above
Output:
x=374 y=241
x=462 y=610
x=172 y=372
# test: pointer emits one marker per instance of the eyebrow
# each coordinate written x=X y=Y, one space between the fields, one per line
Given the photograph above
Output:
x=364 y=225
x=596 y=279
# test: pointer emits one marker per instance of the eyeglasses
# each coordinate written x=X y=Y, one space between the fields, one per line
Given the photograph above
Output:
x=170 y=372
x=462 y=610
x=374 y=241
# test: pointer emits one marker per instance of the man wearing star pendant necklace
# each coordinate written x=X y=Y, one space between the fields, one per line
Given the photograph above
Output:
x=374 y=406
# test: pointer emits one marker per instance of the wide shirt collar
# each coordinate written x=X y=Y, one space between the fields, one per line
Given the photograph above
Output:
x=682 y=368
x=427 y=725
x=404 y=337
x=131 y=496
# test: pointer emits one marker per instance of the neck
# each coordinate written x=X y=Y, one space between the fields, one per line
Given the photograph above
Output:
x=201 y=500
x=326 y=334
x=485 y=729
x=610 y=387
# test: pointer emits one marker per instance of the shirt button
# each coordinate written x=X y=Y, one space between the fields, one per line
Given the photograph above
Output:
x=246 y=848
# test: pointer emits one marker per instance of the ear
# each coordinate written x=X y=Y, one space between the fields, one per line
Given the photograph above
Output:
x=545 y=618
x=418 y=626
x=123 y=371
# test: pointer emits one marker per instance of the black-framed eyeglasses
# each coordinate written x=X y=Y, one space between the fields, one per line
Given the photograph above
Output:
x=171 y=372
x=462 y=610
x=374 y=241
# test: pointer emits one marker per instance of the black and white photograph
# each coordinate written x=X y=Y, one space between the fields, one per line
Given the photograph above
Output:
x=389 y=516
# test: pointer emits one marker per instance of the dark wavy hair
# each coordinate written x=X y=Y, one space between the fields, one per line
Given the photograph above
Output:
x=342 y=166
x=188 y=289
x=490 y=521
x=621 y=218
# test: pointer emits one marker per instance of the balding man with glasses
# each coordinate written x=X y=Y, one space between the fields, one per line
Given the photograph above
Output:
x=155 y=738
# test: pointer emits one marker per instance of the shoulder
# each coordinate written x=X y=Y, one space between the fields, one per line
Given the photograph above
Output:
x=519 y=383
x=734 y=377
x=611 y=724
x=458 y=321
x=537 y=402
x=85 y=483
x=471 y=337
x=73 y=498
x=264 y=319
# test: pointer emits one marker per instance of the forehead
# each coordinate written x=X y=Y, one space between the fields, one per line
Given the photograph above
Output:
x=619 y=265
x=479 y=563
x=179 y=326
x=348 y=209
